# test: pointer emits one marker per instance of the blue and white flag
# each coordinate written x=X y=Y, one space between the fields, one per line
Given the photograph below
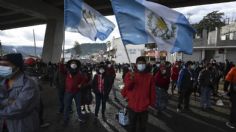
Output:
x=80 y=17
x=142 y=22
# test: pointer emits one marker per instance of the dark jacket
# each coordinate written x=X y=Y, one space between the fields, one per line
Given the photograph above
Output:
x=205 y=78
x=162 y=81
x=185 y=79
x=105 y=84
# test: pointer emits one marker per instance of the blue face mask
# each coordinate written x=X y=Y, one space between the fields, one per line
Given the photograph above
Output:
x=141 y=67
x=6 y=71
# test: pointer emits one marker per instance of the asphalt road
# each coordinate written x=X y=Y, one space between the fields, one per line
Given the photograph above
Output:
x=169 y=121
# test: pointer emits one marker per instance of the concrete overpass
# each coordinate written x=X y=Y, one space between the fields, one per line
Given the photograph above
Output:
x=21 y=13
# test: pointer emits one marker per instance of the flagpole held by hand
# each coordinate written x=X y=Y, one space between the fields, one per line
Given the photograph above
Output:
x=132 y=70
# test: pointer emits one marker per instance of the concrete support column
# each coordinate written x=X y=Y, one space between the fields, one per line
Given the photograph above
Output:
x=205 y=37
x=54 y=39
x=203 y=54
x=225 y=55
x=217 y=35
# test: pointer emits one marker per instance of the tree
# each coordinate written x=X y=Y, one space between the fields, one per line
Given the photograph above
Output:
x=77 y=48
x=210 y=22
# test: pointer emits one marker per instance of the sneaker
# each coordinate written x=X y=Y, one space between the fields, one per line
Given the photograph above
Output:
x=104 y=118
x=178 y=110
x=88 y=108
x=80 y=120
x=230 y=125
x=83 y=109
x=45 y=125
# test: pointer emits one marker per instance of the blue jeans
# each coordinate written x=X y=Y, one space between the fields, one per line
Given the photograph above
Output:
x=68 y=102
x=206 y=96
x=162 y=98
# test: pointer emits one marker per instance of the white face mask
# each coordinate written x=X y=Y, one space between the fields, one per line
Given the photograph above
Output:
x=192 y=66
x=109 y=65
x=141 y=67
x=73 y=66
x=158 y=65
x=101 y=71
x=6 y=71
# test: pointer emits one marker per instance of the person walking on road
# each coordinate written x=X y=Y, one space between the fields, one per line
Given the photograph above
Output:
x=185 y=86
x=231 y=79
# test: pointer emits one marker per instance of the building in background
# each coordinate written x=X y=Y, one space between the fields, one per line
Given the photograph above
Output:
x=116 y=51
x=219 y=45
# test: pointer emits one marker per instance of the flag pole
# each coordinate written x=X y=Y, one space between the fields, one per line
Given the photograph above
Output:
x=34 y=44
x=63 y=48
x=127 y=54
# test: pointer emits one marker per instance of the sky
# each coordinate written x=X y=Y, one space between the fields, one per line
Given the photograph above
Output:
x=24 y=36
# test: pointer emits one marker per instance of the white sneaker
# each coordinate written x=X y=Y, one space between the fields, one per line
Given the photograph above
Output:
x=178 y=110
x=230 y=125
x=80 y=120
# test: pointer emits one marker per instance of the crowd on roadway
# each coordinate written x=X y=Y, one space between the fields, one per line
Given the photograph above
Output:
x=147 y=85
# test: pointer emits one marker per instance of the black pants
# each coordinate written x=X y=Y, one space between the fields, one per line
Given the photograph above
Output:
x=173 y=85
x=233 y=108
x=100 y=98
x=137 y=121
x=41 y=111
x=61 y=94
x=5 y=129
x=184 y=97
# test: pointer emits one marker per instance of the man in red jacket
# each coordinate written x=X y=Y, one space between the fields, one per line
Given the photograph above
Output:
x=139 y=90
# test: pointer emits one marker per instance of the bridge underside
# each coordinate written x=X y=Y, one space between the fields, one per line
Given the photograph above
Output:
x=21 y=13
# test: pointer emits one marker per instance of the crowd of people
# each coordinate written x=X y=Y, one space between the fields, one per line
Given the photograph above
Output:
x=147 y=85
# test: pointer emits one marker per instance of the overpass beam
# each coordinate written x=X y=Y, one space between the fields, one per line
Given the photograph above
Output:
x=54 y=38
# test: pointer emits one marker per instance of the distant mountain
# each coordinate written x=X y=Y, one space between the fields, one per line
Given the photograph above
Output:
x=24 y=50
x=86 y=49
x=90 y=48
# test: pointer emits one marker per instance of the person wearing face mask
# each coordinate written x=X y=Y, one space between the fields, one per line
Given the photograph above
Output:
x=139 y=91
x=74 y=81
x=100 y=89
x=111 y=75
x=19 y=97
x=185 y=86
x=174 y=76
x=162 y=84
x=205 y=80
x=60 y=84
x=231 y=81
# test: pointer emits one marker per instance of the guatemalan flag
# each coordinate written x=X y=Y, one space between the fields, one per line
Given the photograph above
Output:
x=80 y=17
x=142 y=22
